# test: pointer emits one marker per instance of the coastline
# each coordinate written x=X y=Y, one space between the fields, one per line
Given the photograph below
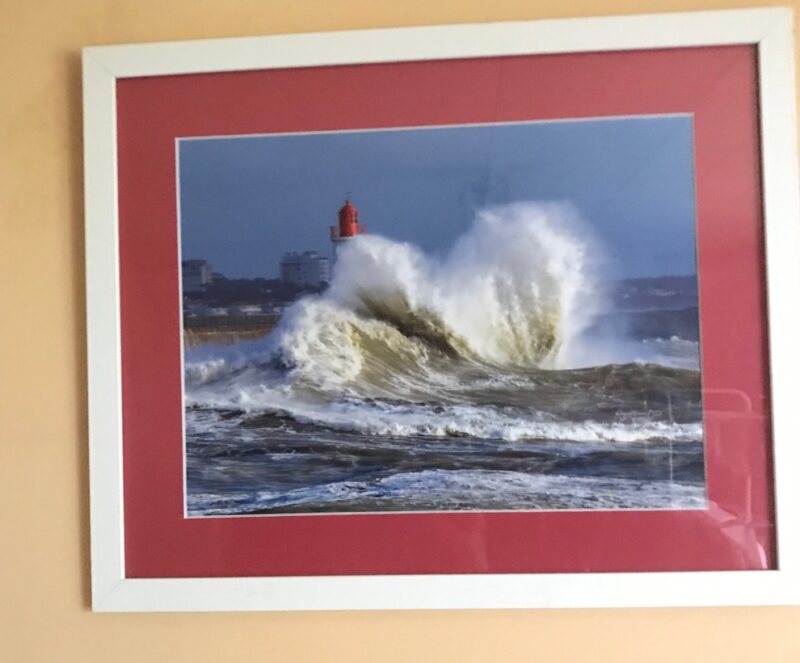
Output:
x=226 y=330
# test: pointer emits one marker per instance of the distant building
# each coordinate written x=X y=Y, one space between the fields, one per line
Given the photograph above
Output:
x=305 y=270
x=194 y=307
x=246 y=309
x=196 y=275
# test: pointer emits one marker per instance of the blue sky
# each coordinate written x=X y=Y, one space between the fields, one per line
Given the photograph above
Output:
x=245 y=201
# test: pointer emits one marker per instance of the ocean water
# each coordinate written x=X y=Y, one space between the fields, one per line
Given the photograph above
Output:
x=501 y=376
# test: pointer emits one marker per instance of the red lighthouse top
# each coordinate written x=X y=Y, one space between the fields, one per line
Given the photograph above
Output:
x=348 y=223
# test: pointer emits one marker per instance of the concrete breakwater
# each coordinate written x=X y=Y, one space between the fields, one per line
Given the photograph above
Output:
x=227 y=329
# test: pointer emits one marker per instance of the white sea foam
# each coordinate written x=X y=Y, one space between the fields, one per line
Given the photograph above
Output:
x=452 y=488
x=200 y=372
x=417 y=420
x=398 y=330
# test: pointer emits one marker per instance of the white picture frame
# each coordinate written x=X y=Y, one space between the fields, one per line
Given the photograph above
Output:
x=770 y=30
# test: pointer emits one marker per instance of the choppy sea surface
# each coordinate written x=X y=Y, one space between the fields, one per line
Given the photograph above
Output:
x=495 y=378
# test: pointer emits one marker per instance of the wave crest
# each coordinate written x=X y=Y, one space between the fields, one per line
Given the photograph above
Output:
x=515 y=291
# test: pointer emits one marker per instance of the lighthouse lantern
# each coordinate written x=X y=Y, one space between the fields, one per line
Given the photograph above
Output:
x=348 y=226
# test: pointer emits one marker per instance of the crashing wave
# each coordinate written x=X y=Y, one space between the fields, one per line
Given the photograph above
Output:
x=515 y=291
x=473 y=343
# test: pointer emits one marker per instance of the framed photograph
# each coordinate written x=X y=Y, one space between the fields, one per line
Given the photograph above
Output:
x=469 y=316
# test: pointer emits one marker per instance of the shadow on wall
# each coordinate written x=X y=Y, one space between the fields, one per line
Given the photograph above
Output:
x=77 y=274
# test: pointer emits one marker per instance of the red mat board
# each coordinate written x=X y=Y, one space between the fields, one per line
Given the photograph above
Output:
x=716 y=85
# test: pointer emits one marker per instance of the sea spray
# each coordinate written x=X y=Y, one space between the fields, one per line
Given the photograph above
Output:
x=516 y=290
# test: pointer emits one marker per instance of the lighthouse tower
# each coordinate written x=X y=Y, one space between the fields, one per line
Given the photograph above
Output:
x=348 y=226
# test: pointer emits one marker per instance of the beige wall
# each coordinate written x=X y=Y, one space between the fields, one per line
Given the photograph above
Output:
x=43 y=478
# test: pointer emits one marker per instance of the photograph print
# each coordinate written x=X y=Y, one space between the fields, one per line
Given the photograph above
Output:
x=492 y=317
